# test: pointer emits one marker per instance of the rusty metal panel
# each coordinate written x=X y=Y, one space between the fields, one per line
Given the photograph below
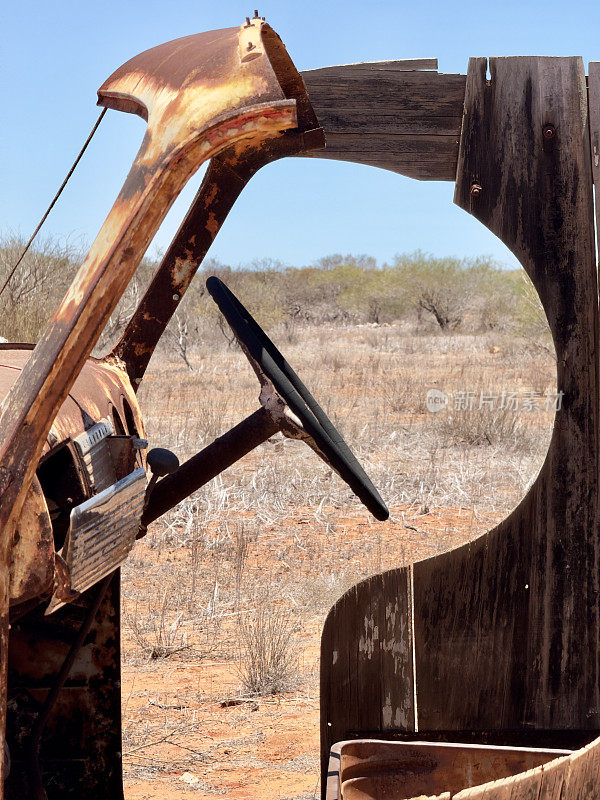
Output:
x=199 y=100
x=32 y=555
x=388 y=770
x=81 y=747
x=228 y=173
x=103 y=530
x=100 y=386
x=225 y=91
x=94 y=450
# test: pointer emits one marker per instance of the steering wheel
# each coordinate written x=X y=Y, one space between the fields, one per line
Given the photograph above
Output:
x=285 y=396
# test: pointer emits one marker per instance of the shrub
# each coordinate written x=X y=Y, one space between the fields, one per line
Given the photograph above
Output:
x=336 y=289
x=446 y=288
x=37 y=286
x=268 y=655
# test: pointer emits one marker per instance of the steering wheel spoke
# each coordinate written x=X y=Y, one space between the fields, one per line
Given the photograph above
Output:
x=289 y=403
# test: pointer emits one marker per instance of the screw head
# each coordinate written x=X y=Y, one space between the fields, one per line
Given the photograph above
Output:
x=549 y=131
x=476 y=190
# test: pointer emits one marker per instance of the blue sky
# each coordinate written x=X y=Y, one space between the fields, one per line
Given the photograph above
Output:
x=55 y=55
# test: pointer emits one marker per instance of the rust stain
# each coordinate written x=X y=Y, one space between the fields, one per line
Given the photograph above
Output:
x=211 y=96
x=32 y=554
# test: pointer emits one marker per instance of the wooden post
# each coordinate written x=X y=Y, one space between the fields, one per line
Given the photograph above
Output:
x=367 y=681
x=594 y=106
x=507 y=631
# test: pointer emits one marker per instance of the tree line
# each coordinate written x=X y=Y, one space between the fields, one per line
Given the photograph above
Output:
x=448 y=294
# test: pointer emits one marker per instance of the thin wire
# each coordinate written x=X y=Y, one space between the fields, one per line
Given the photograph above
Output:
x=56 y=196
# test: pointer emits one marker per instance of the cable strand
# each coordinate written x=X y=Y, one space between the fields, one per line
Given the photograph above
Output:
x=56 y=196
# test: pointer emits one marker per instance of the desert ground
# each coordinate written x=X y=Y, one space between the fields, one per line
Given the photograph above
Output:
x=225 y=599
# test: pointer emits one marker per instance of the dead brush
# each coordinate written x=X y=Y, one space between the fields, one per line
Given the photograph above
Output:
x=158 y=634
x=176 y=622
x=404 y=392
x=268 y=652
x=483 y=426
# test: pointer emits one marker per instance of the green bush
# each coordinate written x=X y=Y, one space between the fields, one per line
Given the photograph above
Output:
x=473 y=294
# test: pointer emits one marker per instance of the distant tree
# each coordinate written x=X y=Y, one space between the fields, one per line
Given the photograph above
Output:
x=37 y=286
x=179 y=336
x=446 y=288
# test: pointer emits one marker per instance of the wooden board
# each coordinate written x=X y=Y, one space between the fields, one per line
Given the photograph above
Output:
x=575 y=777
x=554 y=777
x=594 y=107
x=582 y=781
x=367 y=661
x=404 y=64
x=387 y=115
x=507 y=630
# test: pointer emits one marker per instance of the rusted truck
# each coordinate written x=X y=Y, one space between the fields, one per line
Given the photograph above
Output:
x=473 y=674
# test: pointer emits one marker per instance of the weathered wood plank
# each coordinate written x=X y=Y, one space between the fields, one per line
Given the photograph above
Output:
x=426 y=97
x=554 y=777
x=386 y=121
x=525 y=786
x=390 y=92
x=583 y=777
x=367 y=661
x=374 y=115
x=369 y=67
x=429 y=170
x=594 y=106
x=421 y=157
x=507 y=628
x=407 y=147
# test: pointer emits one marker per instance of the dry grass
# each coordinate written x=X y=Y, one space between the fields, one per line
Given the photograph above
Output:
x=255 y=559
x=268 y=651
